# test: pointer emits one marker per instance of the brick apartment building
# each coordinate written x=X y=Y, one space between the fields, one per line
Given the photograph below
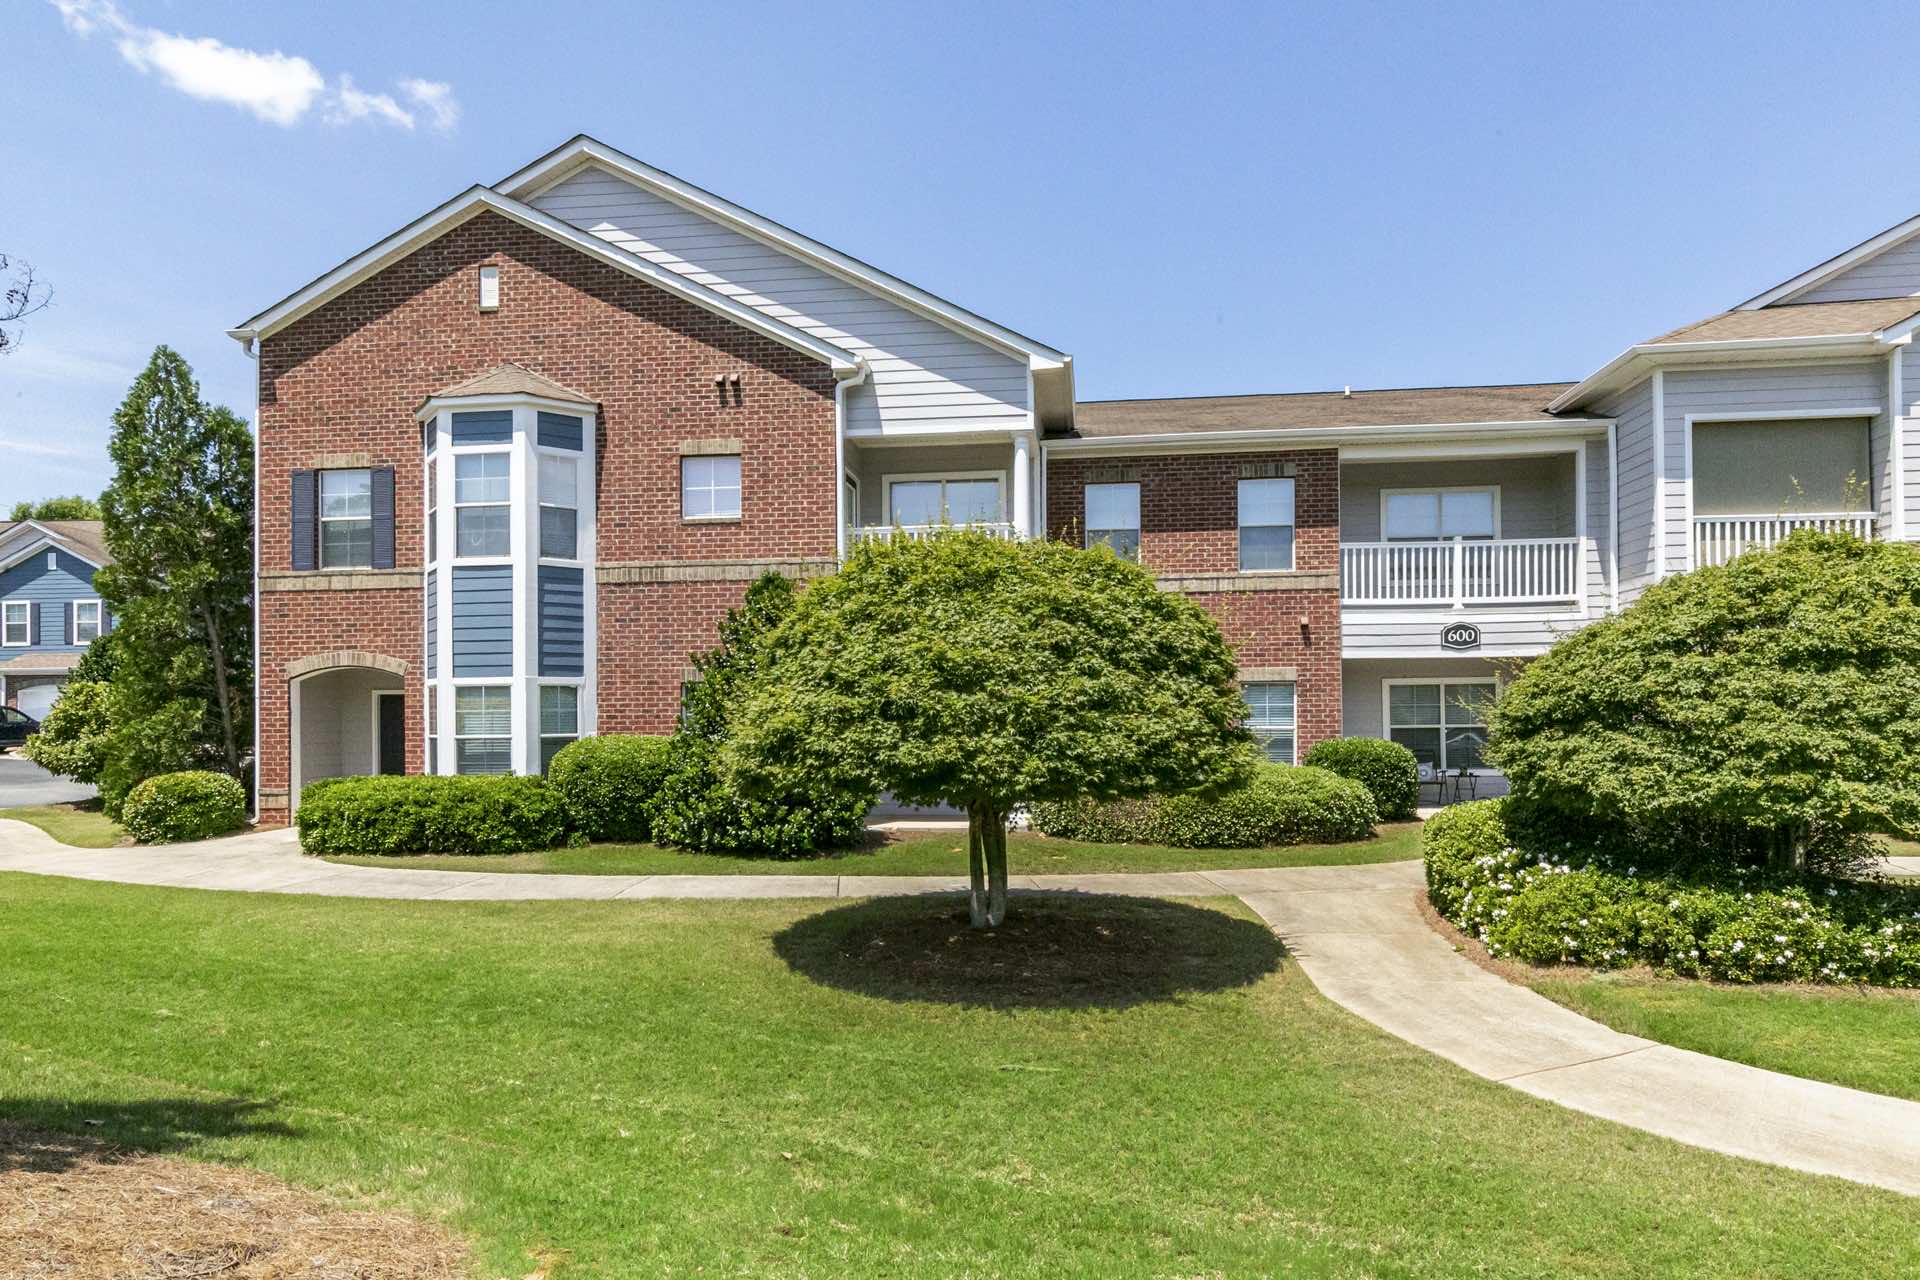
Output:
x=517 y=459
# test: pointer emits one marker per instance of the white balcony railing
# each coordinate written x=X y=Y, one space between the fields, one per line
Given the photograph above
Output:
x=998 y=528
x=1460 y=572
x=1718 y=539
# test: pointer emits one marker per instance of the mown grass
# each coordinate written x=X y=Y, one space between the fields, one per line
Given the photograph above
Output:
x=80 y=825
x=922 y=853
x=733 y=1088
x=1865 y=1039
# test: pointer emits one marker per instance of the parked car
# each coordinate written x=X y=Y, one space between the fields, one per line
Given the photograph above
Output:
x=15 y=725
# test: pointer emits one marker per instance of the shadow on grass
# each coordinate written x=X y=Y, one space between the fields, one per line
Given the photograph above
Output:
x=1055 y=951
x=48 y=1135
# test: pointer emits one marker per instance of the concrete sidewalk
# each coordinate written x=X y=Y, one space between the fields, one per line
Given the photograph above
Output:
x=1356 y=931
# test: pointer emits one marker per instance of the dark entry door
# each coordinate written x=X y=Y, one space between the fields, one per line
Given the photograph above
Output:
x=392 y=751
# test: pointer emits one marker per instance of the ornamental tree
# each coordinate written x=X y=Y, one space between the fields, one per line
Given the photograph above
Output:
x=983 y=673
x=1753 y=711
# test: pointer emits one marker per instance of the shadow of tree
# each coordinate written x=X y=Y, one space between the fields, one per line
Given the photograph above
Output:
x=1055 y=951
x=49 y=1135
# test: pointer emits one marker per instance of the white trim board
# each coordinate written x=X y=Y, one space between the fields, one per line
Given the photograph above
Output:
x=1871 y=247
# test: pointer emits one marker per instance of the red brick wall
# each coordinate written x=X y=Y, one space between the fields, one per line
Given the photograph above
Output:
x=348 y=378
x=1189 y=527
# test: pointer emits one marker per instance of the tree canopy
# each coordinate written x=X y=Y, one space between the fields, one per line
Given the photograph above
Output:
x=73 y=507
x=1745 y=710
x=985 y=673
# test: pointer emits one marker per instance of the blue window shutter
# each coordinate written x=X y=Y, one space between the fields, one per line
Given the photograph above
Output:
x=305 y=524
x=33 y=623
x=66 y=623
x=383 y=517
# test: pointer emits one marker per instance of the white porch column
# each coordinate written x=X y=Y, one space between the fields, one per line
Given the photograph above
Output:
x=1022 y=486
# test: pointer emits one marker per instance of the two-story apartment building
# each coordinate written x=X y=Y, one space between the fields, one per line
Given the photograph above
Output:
x=49 y=610
x=517 y=459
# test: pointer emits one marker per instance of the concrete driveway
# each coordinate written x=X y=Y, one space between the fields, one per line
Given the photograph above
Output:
x=24 y=782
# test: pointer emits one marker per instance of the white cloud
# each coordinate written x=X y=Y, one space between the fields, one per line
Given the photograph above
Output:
x=279 y=88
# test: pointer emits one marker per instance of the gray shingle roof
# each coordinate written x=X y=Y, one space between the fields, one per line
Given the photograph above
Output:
x=1406 y=406
x=1806 y=320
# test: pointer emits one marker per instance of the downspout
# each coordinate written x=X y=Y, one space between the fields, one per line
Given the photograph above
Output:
x=253 y=354
x=840 y=386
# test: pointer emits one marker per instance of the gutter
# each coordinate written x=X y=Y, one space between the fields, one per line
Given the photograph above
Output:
x=1652 y=352
x=1306 y=436
x=840 y=385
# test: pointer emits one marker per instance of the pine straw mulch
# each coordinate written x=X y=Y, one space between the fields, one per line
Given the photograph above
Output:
x=74 y=1208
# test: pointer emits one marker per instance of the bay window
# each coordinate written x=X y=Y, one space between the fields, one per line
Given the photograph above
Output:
x=559 y=720
x=483 y=729
x=482 y=505
x=559 y=508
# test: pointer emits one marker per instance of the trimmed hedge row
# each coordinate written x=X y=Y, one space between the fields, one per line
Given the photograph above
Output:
x=1388 y=770
x=191 y=805
x=1745 y=925
x=1281 y=805
x=421 y=814
x=611 y=783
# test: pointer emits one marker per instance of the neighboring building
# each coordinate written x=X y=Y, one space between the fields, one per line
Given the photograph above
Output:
x=49 y=611
x=516 y=460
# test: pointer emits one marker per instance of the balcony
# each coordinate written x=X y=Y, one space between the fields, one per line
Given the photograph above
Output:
x=996 y=528
x=1718 y=539
x=1457 y=572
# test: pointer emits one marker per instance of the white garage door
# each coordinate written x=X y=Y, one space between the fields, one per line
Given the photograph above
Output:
x=38 y=700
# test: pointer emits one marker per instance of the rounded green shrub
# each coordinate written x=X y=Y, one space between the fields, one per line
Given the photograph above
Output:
x=611 y=784
x=1560 y=902
x=1280 y=805
x=1386 y=769
x=424 y=814
x=184 y=806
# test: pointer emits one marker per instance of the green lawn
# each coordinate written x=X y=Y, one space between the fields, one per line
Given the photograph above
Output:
x=924 y=853
x=780 y=1089
x=81 y=825
x=1863 y=1039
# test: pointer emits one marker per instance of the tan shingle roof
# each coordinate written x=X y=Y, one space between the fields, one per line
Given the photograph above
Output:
x=1807 y=320
x=39 y=663
x=1407 y=406
x=88 y=537
x=511 y=380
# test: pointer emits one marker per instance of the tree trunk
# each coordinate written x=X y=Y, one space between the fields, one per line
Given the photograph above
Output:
x=221 y=693
x=977 y=866
x=997 y=870
x=987 y=865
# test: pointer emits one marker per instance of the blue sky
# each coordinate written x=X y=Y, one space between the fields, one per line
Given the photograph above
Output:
x=1190 y=199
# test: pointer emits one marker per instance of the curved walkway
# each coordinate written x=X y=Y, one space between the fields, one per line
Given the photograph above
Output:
x=1356 y=931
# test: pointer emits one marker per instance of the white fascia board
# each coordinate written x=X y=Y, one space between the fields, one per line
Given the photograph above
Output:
x=1325 y=437
x=1833 y=266
x=477 y=200
x=558 y=165
x=1627 y=367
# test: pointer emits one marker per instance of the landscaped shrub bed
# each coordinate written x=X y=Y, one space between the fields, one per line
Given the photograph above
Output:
x=1281 y=805
x=419 y=814
x=191 y=805
x=1388 y=770
x=1569 y=904
x=611 y=783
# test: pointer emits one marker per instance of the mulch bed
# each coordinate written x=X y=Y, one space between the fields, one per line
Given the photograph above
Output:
x=73 y=1208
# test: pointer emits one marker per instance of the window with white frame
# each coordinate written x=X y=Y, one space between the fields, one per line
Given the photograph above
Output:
x=1443 y=722
x=482 y=505
x=433 y=729
x=1270 y=715
x=1429 y=515
x=710 y=487
x=346 y=519
x=559 y=719
x=1266 y=524
x=938 y=500
x=16 y=621
x=433 y=509
x=1113 y=517
x=482 y=728
x=559 y=507
x=86 y=621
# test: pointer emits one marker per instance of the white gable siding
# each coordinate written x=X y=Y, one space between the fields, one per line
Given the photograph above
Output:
x=1892 y=273
x=1634 y=441
x=925 y=376
x=1809 y=388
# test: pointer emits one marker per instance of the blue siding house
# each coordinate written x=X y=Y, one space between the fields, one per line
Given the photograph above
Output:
x=49 y=610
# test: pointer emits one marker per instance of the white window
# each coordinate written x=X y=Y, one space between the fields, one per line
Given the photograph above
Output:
x=346 y=519
x=1266 y=524
x=944 y=500
x=483 y=729
x=482 y=505
x=1270 y=716
x=1444 y=723
x=489 y=288
x=433 y=510
x=559 y=719
x=1113 y=517
x=433 y=729
x=559 y=507
x=710 y=488
x=86 y=621
x=16 y=617
x=1428 y=515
